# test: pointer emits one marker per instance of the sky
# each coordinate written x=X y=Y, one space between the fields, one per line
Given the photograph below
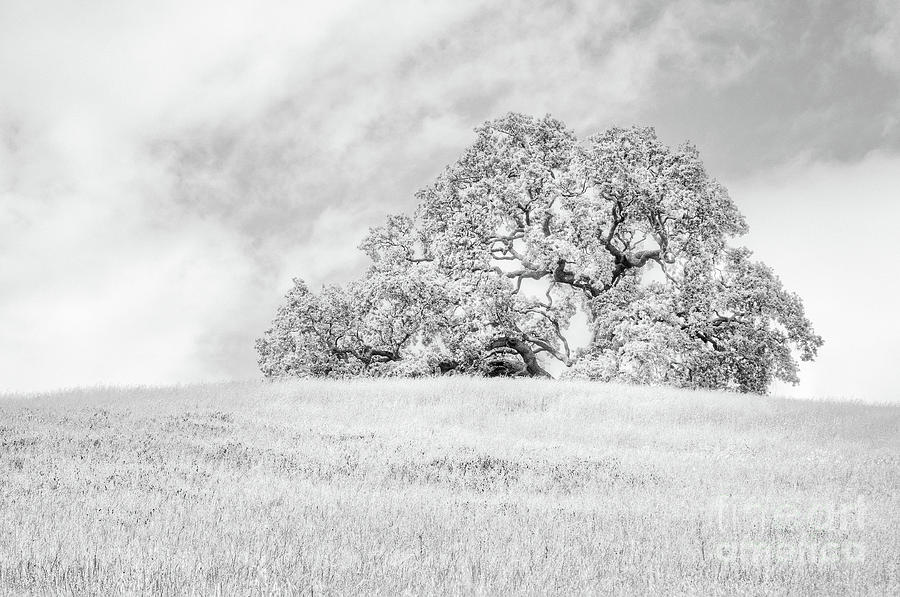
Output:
x=167 y=167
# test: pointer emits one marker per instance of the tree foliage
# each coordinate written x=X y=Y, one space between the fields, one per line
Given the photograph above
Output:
x=530 y=231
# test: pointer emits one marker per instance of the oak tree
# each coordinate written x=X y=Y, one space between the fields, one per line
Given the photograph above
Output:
x=531 y=235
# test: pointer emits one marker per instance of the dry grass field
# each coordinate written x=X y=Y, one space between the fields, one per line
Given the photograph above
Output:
x=454 y=486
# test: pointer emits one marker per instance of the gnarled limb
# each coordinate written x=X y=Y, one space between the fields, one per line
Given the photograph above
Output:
x=529 y=357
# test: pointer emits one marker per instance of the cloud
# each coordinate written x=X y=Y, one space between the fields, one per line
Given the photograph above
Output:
x=102 y=279
x=883 y=40
x=166 y=169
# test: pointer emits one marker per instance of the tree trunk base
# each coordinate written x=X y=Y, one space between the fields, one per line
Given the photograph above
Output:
x=518 y=349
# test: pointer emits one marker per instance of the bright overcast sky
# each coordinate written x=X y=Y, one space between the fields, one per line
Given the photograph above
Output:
x=167 y=167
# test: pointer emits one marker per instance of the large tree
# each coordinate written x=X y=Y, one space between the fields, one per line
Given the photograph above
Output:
x=528 y=232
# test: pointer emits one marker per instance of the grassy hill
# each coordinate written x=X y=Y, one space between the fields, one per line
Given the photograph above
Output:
x=450 y=485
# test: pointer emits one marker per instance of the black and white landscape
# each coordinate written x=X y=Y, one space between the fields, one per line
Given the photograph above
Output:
x=449 y=297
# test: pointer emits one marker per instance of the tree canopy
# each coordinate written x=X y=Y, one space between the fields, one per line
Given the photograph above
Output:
x=532 y=239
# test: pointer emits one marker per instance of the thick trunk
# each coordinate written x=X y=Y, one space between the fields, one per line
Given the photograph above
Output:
x=524 y=350
x=384 y=354
x=445 y=367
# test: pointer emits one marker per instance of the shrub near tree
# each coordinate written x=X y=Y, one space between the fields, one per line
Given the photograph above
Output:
x=526 y=230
